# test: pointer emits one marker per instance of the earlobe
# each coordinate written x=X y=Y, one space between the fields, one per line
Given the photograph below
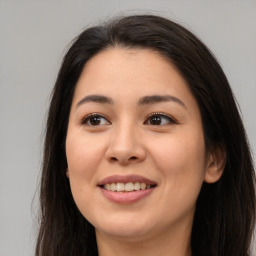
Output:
x=215 y=166
x=67 y=173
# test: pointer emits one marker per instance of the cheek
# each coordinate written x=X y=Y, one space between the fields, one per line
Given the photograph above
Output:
x=83 y=157
x=83 y=154
x=181 y=164
x=181 y=161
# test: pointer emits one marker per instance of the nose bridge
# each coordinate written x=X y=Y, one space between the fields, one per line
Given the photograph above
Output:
x=125 y=135
x=125 y=144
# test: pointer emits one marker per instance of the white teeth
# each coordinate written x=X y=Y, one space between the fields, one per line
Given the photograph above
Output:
x=143 y=186
x=137 y=186
x=113 y=186
x=107 y=186
x=120 y=187
x=130 y=186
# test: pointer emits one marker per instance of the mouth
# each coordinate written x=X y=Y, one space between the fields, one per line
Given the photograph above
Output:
x=127 y=187
x=128 y=183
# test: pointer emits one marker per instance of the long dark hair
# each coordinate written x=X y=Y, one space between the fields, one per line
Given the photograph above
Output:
x=225 y=211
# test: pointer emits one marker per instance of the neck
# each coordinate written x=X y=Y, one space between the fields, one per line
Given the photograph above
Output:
x=166 y=243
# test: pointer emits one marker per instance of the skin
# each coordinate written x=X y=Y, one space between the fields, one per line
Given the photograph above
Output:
x=126 y=141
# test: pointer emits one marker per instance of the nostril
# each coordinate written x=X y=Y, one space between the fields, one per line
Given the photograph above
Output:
x=113 y=158
x=116 y=159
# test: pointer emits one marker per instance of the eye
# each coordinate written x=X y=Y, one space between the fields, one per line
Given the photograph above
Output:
x=159 y=119
x=94 y=120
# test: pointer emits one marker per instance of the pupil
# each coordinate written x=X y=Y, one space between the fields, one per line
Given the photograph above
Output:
x=156 y=120
x=95 y=120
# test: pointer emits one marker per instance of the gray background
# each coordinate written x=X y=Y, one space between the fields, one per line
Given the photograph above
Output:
x=33 y=38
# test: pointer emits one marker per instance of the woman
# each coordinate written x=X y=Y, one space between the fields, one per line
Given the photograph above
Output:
x=145 y=151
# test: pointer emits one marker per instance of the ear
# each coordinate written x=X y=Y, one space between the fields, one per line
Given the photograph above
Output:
x=67 y=173
x=215 y=165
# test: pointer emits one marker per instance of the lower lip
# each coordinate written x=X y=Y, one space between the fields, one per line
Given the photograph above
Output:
x=126 y=197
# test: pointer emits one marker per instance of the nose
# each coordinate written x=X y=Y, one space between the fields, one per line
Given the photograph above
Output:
x=125 y=146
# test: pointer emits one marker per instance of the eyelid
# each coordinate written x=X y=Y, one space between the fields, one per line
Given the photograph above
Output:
x=86 y=118
x=173 y=120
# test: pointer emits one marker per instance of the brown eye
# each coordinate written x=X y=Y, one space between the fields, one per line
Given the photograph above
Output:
x=155 y=120
x=159 y=119
x=95 y=120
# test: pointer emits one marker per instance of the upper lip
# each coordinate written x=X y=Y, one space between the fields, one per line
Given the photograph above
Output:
x=126 y=179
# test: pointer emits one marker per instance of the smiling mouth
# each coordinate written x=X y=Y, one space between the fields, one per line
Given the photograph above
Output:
x=127 y=187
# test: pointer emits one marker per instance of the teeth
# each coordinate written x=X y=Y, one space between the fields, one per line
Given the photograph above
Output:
x=120 y=187
x=107 y=186
x=130 y=186
x=137 y=186
x=143 y=186
x=113 y=186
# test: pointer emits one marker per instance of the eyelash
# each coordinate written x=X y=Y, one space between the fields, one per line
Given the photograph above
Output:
x=171 y=120
x=159 y=114
x=87 y=118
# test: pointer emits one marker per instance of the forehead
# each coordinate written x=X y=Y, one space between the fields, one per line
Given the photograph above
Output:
x=133 y=62
x=131 y=73
x=128 y=66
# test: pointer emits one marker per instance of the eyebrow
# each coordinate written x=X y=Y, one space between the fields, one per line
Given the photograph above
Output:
x=146 y=100
x=153 y=99
x=95 y=98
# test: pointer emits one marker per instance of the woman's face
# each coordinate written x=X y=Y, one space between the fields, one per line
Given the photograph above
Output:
x=135 y=127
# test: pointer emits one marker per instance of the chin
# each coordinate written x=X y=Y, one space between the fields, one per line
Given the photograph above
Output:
x=127 y=229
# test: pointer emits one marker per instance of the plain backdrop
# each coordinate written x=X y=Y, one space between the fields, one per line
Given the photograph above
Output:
x=34 y=35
